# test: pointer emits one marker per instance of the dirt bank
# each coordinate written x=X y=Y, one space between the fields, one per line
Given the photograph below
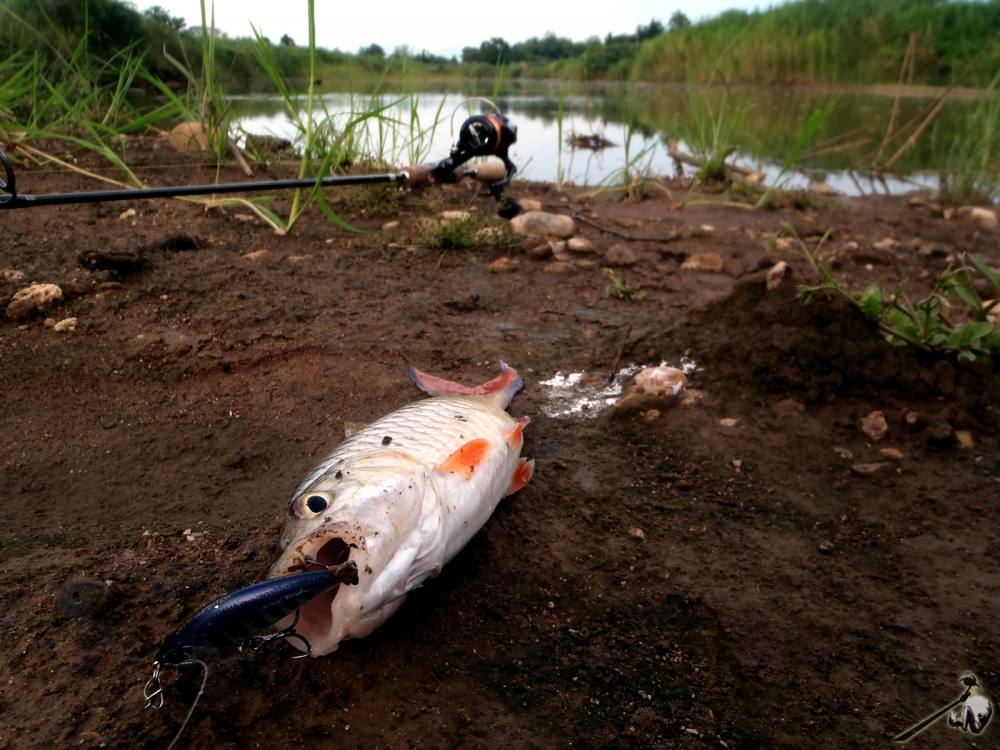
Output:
x=778 y=595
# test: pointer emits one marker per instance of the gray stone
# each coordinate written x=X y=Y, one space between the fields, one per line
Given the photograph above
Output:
x=542 y=224
x=620 y=254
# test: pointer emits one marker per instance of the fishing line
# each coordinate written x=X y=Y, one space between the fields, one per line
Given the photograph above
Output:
x=204 y=681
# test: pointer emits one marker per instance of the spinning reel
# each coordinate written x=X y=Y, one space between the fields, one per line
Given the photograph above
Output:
x=483 y=135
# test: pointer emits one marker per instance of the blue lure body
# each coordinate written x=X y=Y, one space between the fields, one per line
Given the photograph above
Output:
x=242 y=614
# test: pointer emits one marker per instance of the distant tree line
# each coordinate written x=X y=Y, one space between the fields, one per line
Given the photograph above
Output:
x=860 y=41
x=598 y=55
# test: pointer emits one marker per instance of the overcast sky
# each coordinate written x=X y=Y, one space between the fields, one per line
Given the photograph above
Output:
x=435 y=25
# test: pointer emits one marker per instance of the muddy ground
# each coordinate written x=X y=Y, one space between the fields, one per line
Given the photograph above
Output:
x=776 y=597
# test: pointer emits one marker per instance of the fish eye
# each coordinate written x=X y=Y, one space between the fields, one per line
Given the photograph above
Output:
x=316 y=503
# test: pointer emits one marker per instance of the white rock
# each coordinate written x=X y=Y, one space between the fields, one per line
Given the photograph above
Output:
x=661 y=381
x=188 y=136
x=67 y=324
x=530 y=204
x=777 y=274
x=126 y=215
x=580 y=245
x=29 y=299
x=543 y=224
x=984 y=217
x=454 y=215
x=389 y=226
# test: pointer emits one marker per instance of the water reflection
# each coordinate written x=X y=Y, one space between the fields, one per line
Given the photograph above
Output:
x=638 y=119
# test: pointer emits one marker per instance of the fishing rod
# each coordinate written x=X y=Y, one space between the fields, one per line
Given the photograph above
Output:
x=479 y=135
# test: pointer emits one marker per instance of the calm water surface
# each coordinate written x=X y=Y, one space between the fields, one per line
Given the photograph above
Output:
x=638 y=120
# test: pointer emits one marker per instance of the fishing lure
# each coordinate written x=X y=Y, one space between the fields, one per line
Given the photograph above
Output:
x=237 y=619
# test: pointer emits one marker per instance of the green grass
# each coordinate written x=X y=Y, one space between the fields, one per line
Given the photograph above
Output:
x=972 y=152
x=712 y=129
x=454 y=234
x=836 y=41
x=953 y=319
x=618 y=288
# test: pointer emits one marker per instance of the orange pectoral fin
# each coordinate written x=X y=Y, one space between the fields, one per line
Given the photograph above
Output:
x=523 y=473
x=466 y=459
x=516 y=436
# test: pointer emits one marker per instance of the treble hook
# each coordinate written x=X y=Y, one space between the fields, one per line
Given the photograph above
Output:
x=149 y=693
x=254 y=643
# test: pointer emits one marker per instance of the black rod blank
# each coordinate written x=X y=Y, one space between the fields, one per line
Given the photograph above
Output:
x=17 y=200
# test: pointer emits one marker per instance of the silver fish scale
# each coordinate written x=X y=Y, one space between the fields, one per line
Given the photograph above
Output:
x=429 y=430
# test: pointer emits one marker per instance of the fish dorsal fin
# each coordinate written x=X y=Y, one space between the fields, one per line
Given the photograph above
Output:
x=498 y=391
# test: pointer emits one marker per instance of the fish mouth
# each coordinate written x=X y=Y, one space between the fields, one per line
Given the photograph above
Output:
x=315 y=622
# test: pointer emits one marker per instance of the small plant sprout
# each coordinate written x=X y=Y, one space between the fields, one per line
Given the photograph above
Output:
x=952 y=319
x=619 y=288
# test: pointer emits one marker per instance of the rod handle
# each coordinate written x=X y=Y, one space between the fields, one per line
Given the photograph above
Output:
x=488 y=172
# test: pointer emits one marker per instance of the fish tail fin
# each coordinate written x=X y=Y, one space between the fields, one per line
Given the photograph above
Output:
x=498 y=391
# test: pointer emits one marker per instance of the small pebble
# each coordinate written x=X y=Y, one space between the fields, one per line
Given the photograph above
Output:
x=704 y=263
x=867 y=469
x=620 y=254
x=500 y=265
x=874 y=425
x=67 y=325
x=965 y=440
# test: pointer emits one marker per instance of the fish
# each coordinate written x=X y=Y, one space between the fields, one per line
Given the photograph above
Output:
x=400 y=498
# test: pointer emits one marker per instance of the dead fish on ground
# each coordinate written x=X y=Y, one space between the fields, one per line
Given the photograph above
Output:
x=400 y=498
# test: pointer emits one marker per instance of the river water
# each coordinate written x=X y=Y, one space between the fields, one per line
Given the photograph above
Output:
x=638 y=120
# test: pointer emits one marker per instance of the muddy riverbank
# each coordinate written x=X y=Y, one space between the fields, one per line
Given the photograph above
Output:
x=729 y=574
